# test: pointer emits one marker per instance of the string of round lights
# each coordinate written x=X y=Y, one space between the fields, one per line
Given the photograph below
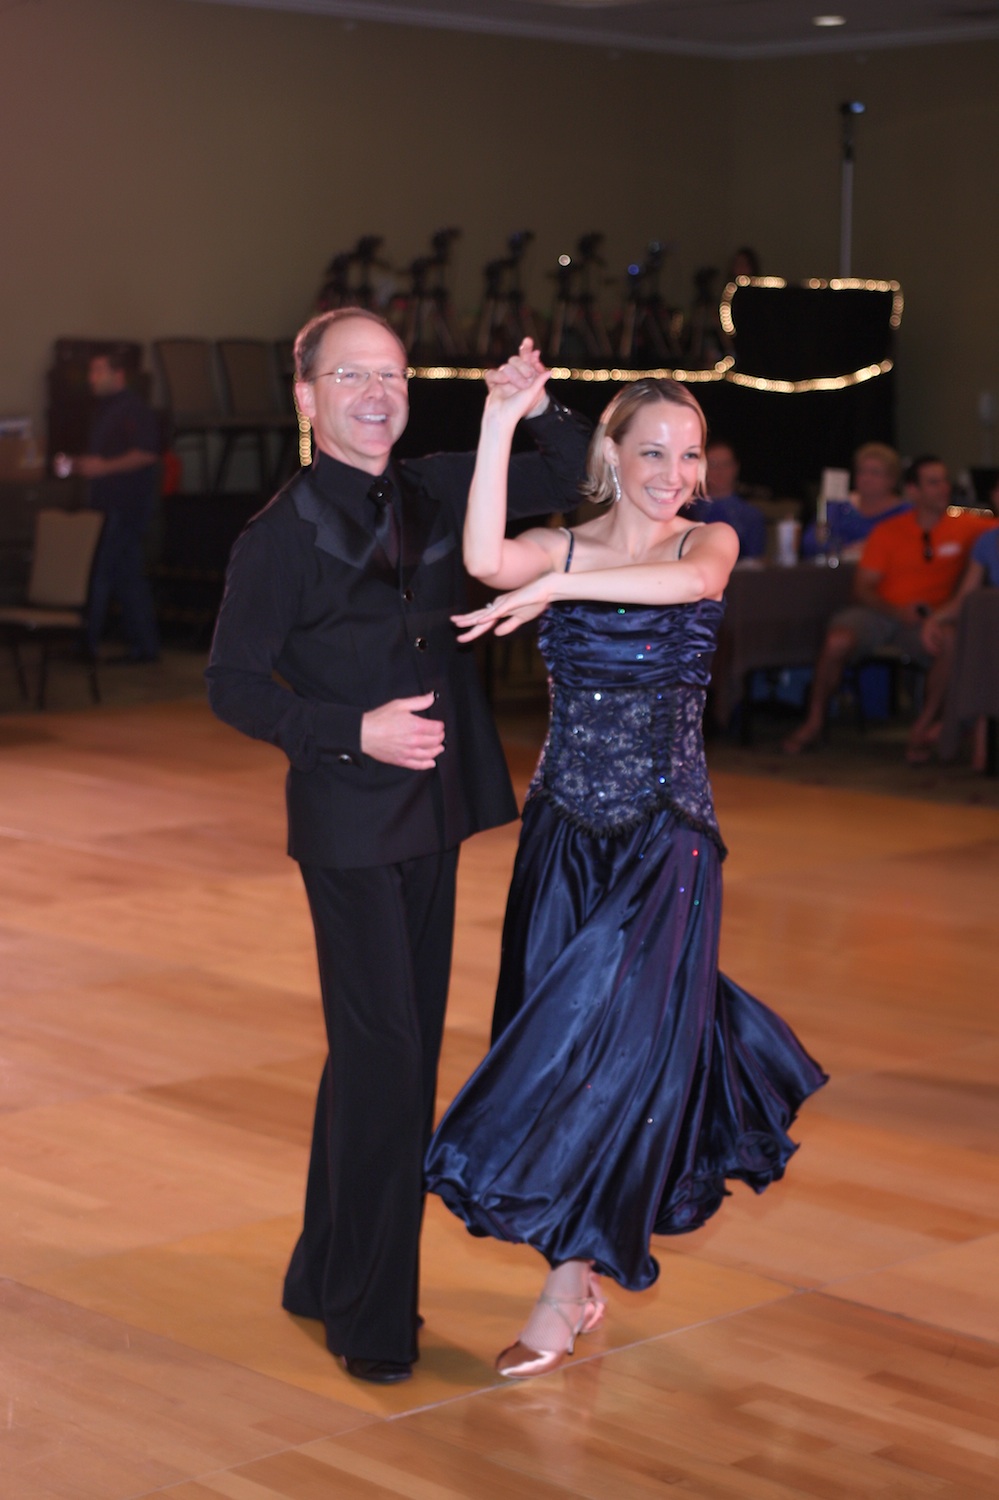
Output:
x=590 y=376
x=819 y=383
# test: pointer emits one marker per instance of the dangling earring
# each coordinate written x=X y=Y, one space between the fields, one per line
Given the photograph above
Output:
x=615 y=481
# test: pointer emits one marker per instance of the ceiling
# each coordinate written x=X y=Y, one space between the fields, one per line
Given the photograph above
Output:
x=703 y=28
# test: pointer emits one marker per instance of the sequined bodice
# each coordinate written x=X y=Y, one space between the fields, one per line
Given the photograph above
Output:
x=627 y=703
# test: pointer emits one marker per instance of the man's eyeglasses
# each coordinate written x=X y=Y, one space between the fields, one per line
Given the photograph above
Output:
x=927 y=547
x=354 y=379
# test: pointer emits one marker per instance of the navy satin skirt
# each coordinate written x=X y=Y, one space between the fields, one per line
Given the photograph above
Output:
x=628 y=1078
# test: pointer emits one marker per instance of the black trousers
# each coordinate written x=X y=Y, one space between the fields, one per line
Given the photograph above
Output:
x=383 y=937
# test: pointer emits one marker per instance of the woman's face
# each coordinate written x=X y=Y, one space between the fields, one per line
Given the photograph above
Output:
x=659 y=459
x=873 y=479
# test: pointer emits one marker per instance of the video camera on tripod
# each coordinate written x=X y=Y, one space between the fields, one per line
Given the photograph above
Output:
x=650 y=329
x=337 y=290
x=577 y=328
x=505 y=318
x=425 y=318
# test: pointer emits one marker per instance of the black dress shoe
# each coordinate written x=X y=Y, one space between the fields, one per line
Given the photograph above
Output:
x=378 y=1371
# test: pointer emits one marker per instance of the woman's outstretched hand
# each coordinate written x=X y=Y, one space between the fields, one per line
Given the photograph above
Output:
x=507 y=611
x=517 y=388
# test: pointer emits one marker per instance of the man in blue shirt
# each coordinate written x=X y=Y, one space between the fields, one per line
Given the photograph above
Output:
x=723 y=504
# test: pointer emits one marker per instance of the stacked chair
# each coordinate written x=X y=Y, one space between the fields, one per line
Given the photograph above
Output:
x=56 y=598
x=234 y=397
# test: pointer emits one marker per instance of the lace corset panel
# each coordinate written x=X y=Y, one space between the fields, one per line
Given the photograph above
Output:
x=627 y=701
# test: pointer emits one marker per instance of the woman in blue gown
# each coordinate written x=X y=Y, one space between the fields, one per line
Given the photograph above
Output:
x=627 y=1078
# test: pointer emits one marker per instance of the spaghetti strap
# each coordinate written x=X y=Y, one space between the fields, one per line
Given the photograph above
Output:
x=572 y=543
x=683 y=543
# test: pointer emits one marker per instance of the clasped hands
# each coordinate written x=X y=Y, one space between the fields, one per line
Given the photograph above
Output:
x=517 y=387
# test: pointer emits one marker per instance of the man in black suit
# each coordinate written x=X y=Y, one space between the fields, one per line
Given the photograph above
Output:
x=344 y=585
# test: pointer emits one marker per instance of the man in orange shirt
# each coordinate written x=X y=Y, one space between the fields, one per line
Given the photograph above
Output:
x=910 y=566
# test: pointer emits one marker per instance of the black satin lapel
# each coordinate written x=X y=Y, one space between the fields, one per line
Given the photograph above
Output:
x=336 y=532
x=420 y=512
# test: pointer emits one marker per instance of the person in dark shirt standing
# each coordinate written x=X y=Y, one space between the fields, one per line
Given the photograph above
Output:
x=344 y=586
x=122 y=464
x=724 y=503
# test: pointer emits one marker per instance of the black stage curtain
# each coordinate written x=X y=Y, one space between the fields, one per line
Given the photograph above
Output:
x=783 y=441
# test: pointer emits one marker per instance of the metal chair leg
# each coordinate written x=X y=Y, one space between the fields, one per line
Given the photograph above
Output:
x=22 y=676
x=262 y=458
x=43 y=674
x=228 y=443
x=746 y=711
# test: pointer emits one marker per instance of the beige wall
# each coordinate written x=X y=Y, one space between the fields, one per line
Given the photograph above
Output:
x=171 y=167
x=188 y=168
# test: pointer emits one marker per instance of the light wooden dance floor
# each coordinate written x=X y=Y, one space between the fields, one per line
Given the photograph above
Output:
x=837 y=1337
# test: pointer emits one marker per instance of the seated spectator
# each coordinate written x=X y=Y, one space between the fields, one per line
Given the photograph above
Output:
x=724 y=504
x=877 y=473
x=982 y=571
x=909 y=568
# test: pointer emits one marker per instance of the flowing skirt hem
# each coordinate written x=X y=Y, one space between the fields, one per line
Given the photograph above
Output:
x=758 y=1160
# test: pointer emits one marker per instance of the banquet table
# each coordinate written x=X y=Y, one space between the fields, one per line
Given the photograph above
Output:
x=974 y=682
x=774 y=617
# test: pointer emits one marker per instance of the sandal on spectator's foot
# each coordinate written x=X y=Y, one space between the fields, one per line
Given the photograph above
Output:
x=800 y=740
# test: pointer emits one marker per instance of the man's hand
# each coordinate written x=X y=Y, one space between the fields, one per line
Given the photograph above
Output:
x=397 y=735
x=520 y=372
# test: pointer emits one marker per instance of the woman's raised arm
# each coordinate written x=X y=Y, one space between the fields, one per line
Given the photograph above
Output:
x=489 y=555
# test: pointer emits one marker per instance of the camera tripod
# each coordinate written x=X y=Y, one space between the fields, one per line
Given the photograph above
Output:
x=650 y=329
x=429 y=327
x=577 y=334
x=337 y=290
x=505 y=317
x=706 y=342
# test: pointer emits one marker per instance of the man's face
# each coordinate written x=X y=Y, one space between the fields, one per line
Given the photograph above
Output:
x=357 y=417
x=103 y=378
x=932 y=488
x=723 y=471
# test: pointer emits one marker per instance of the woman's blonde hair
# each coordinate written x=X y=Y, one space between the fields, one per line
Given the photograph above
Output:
x=618 y=416
x=885 y=456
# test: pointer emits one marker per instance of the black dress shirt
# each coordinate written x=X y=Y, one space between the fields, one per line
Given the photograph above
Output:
x=311 y=596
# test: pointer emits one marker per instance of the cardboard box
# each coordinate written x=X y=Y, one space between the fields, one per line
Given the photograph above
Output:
x=20 y=459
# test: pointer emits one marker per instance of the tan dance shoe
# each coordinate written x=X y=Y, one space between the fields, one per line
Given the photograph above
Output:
x=568 y=1318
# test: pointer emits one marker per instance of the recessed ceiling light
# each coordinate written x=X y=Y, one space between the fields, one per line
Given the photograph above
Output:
x=829 y=20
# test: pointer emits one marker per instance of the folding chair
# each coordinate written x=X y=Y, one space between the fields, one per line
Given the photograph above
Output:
x=56 y=600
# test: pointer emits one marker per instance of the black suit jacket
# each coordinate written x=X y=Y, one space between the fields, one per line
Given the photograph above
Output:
x=311 y=596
